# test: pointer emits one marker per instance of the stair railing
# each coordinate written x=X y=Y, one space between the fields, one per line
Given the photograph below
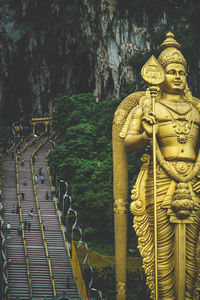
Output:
x=20 y=210
x=31 y=142
x=40 y=218
x=22 y=225
x=58 y=211
x=14 y=145
x=5 y=287
x=74 y=260
x=5 y=284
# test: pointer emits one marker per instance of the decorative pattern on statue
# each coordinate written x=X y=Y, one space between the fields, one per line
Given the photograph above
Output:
x=141 y=224
x=121 y=288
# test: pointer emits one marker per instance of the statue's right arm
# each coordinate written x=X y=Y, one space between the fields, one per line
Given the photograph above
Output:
x=136 y=138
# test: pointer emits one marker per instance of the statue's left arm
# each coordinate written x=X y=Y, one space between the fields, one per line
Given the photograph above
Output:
x=139 y=133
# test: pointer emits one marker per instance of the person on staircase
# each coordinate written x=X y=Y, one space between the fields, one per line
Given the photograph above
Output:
x=47 y=195
x=17 y=208
x=68 y=282
x=52 y=193
x=36 y=179
x=8 y=227
x=40 y=171
x=25 y=224
x=42 y=179
x=19 y=230
x=25 y=181
x=31 y=212
x=22 y=162
x=29 y=226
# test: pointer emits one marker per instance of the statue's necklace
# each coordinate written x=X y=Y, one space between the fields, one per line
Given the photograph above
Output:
x=177 y=107
x=181 y=127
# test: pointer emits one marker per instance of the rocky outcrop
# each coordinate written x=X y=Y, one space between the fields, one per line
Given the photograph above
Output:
x=53 y=47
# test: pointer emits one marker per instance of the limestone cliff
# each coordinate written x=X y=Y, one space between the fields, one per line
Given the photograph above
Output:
x=66 y=46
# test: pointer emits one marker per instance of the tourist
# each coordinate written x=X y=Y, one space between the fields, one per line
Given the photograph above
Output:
x=25 y=181
x=20 y=230
x=36 y=179
x=25 y=224
x=8 y=227
x=29 y=226
x=47 y=195
x=17 y=208
x=31 y=212
x=42 y=179
x=64 y=296
x=68 y=282
x=40 y=171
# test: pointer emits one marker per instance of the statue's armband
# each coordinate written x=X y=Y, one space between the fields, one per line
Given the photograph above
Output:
x=132 y=125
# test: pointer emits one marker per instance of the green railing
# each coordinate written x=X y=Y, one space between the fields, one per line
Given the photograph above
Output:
x=40 y=219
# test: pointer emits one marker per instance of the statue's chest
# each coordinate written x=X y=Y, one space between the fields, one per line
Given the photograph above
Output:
x=180 y=120
x=177 y=113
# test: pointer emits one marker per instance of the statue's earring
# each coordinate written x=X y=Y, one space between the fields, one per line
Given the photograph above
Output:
x=187 y=95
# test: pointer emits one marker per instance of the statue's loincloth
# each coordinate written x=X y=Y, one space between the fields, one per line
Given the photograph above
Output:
x=166 y=186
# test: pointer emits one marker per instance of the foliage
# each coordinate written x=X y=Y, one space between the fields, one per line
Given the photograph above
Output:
x=104 y=280
x=83 y=158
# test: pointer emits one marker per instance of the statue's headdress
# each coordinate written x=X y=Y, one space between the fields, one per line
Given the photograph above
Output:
x=171 y=53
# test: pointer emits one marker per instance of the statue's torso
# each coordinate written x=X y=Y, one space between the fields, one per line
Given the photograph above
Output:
x=178 y=129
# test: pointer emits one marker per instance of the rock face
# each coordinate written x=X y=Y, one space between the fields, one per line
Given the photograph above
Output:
x=55 y=47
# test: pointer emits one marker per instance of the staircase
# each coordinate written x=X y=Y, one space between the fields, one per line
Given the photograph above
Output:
x=47 y=258
x=17 y=269
x=61 y=267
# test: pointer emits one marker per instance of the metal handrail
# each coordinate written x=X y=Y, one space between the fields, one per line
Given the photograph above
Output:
x=40 y=219
x=58 y=212
x=14 y=145
x=20 y=210
x=4 y=255
x=22 y=225
x=4 y=249
x=74 y=261
x=31 y=142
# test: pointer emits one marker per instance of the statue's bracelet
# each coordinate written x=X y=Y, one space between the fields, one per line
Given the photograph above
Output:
x=145 y=136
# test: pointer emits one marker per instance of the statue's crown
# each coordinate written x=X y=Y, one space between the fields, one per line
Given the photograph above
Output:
x=171 y=53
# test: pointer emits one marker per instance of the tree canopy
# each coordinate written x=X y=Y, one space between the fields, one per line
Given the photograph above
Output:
x=83 y=157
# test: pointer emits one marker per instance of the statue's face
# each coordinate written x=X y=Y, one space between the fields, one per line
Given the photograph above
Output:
x=175 y=79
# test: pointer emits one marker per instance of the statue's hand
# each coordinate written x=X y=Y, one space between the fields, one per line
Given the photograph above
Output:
x=147 y=122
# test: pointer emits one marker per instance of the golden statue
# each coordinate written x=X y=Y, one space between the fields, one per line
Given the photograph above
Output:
x=166 y=196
